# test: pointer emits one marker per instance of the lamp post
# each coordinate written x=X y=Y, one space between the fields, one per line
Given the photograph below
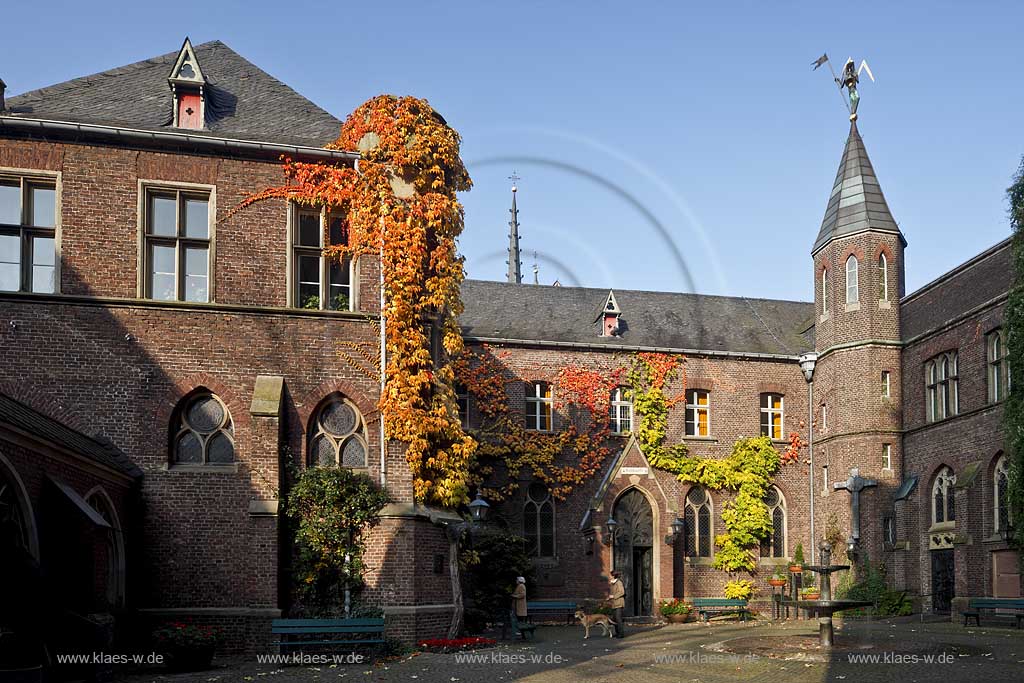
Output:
x=479 y=509
x=610 y=526
x=807 y=363
x=677 y=527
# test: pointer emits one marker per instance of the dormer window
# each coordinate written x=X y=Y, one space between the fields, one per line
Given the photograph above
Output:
x=188 y=85
x=610 y=317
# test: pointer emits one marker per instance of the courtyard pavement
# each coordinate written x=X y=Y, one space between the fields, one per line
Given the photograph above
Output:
x=905 y=650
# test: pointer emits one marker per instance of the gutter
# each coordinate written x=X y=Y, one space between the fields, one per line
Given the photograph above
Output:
x=653 y=349
x=173 y=138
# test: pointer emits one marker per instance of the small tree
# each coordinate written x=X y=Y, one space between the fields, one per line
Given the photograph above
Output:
x=491 y=566
x=331 y=509
x=1013 y=417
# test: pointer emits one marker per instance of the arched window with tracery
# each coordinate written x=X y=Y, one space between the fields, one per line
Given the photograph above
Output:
x=943 y=508
x=337 y=434
x=1000 y=484
x=698 y=529
x=774 y=544
x=539 y=521
x=202 y=431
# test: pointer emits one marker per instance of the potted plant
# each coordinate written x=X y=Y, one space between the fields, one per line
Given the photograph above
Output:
x=676 y=611
x=777 y=579
x=810 y=593
x=797 y=565
x=186 y=646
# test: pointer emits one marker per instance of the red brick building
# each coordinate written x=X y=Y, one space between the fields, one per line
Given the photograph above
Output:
x=166 y=359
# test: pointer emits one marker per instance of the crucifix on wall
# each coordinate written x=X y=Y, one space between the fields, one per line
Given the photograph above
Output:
x=855 y=484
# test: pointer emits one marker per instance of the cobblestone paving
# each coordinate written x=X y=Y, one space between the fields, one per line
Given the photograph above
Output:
x=671 y=653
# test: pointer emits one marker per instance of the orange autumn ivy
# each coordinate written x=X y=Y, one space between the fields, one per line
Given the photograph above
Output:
x=401 y=206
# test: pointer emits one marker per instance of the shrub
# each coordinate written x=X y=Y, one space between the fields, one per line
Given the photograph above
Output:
x=184 y=635
x=490 y=567
x=872 y=587
x=739 y=589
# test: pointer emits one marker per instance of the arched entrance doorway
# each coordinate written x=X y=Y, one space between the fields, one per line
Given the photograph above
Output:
x=634 y=551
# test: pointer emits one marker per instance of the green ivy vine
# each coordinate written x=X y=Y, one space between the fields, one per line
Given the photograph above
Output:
x=1013 y=415
x=749 y=469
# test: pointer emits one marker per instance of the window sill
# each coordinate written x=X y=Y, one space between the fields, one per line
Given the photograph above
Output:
x=942 y=526
x=1000 y=537
x=824 y=317
x=886 y=472
x=699 y=561
x=855 y=306
x=884 y=304
x=210 y=469
x=773 y=561
x=705 y=439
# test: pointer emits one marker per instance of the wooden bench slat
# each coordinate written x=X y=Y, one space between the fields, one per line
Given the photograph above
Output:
x=292 y=643
x=329 y=629
x=328 y=622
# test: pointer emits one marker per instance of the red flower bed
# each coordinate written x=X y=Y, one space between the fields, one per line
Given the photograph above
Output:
x=448 y=644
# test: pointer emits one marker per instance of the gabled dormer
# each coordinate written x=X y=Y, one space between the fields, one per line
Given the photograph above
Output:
x=610 y=317
x=188 y=85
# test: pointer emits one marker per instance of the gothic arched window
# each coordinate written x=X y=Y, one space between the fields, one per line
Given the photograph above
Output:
x=774 y=545
x=539 y=521
x=883 y=278
x=203 y=432
x=824 y=291
x=1000 y=483
x=943 y=508
x=113 y=552
x=852 y=286
x=337 y=434
x=697 y=519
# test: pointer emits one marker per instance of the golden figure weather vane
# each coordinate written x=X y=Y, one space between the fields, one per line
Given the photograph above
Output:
x=849 y=80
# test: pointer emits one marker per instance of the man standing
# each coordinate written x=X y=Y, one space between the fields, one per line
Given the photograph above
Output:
x=617 y=599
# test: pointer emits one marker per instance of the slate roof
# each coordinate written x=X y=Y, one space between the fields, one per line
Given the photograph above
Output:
x=500 y=310
x=856 y=202
x=243 y=101
x=31 y=421
x=975 y=282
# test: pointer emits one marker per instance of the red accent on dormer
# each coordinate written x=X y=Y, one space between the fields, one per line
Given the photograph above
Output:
x=611 y=324
x=190 y=111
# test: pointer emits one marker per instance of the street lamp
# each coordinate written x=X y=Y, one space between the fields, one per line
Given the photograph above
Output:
x=677 y=528
x=610 y=526
x=479 y=509
x=807 y=363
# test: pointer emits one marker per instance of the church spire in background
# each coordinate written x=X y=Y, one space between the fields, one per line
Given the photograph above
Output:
x=515 y=264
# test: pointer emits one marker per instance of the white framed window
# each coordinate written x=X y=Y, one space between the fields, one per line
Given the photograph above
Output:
x=539 y=406
x=852 y=284
x=942 y=388
x=886 y=456
x=824 y=291
x=28 y=234
x=886 y=384
x=698 y=412
x=697 y=527
x=337 y=435
x=774 y=544
x=177 y=229
x=943 y=507
x=1000 y=484
x=772 y=415
x=998 y=377
x=202 y=431
x=320 y=282
x=621 y=411
x=539 y=521
x=883 y=277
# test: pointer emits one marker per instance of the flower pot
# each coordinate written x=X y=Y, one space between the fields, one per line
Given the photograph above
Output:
x=811 y=596
x=192 y=658
x=777 y=582
x=679 y=618
x=796 y=569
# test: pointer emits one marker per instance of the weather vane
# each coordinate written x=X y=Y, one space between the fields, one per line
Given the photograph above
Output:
x=849 y=80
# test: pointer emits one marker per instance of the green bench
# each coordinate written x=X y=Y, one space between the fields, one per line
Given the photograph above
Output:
x=551 y=608
x=358 y=632
x=975 y=605
x=707 y=606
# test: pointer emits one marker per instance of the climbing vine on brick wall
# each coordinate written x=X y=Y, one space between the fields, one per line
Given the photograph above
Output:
x=1013 y=416
x=401 y=205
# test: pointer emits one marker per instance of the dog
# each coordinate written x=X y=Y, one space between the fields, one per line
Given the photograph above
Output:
x=589 y=620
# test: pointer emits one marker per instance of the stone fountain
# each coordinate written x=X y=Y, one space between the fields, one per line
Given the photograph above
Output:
x=825 y=607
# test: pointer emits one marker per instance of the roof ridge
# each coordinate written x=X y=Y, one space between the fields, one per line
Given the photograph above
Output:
x=738 y=297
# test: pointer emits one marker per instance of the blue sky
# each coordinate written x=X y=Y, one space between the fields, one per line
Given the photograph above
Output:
x=639 y=129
